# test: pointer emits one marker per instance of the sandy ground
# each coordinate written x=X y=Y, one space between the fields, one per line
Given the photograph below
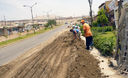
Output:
x=107 y=71
x=61 y=58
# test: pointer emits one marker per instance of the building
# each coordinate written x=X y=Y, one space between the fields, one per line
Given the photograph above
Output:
x=105 y=6
x=109 y=7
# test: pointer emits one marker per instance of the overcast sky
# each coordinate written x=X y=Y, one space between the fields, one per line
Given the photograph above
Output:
x=14 y=10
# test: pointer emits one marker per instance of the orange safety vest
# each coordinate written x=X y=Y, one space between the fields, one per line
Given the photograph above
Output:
x=87 y=30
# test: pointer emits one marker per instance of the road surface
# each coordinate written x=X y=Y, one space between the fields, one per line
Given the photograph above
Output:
x=12 y=51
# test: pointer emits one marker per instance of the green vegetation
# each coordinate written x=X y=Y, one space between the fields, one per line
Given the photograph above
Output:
x=95 y=23
x=102 y=29
x=104 y=39
x=79 y=20
x=24 y=37
x=105 y=42
x=36 y=26
x=102 y=19
x=50 y=23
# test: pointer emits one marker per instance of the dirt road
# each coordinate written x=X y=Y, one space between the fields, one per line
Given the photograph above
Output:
x=63 y=58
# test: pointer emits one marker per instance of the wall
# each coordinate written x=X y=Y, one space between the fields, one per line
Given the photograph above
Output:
x=122 y=43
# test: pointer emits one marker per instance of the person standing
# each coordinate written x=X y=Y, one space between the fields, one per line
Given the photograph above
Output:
x=87 y=34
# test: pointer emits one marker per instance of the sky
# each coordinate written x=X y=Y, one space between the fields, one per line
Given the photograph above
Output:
x=14 y=10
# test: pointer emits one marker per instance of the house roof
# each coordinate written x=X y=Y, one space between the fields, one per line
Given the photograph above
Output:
x=101 y=5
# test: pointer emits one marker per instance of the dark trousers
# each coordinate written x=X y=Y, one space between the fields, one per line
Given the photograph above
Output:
x=89 y=42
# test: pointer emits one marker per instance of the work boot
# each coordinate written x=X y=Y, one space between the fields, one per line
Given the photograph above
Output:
x=87 y=48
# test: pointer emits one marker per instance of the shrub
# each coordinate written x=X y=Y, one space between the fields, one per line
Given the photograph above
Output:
x=102 y=18
x=105 y=45
x=102 y=29
x=95 y=23
x=50 y=23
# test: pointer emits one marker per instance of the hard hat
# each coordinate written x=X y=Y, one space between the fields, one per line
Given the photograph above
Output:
x=82 y=21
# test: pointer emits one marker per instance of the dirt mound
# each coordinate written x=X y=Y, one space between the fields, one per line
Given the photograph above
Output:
x=63 y=58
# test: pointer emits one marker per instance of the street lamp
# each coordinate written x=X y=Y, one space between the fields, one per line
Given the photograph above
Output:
x=31 y=8
x=90 y=4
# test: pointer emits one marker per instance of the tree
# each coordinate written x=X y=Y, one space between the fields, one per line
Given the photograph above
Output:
x=90 y=5
x=118 y=31
x=102 y=18
x=50 y=23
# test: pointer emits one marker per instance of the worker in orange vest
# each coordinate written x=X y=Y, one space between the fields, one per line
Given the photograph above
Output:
x=87 y=34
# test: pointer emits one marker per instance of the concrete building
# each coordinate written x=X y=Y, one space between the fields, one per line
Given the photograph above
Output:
x=105 y=6
x=109 y=7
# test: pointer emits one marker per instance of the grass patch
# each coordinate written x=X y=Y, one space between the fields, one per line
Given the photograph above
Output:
x=105 y=42
x=106 y=34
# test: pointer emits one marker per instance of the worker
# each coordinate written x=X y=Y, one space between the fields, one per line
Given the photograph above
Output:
x=87 y=34
x=78 y=29
x=75 y=31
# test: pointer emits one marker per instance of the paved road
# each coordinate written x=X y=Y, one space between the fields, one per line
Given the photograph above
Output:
x=12 y=51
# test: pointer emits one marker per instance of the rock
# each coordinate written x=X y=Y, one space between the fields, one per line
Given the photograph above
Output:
x=102 y=60
x=112 y=63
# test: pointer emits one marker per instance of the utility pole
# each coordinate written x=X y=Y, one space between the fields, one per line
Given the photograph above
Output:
x=90 y=5
x=4 y=21
x=47 y=13
x=4 y=26
x=31 y=9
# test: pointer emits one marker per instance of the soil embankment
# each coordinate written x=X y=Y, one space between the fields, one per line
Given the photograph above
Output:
x=63 y=58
